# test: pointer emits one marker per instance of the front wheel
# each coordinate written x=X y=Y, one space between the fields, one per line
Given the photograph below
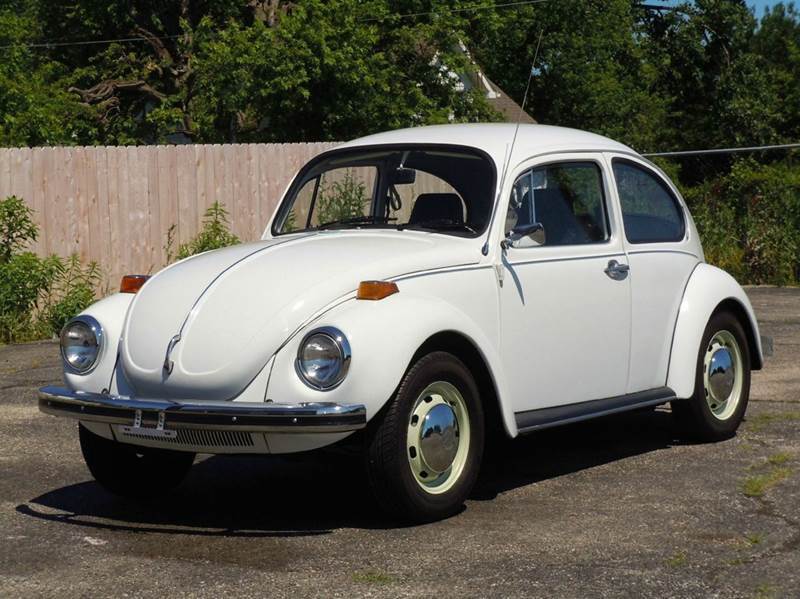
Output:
x=722 y=383
x=424 y=454
x=133 y=471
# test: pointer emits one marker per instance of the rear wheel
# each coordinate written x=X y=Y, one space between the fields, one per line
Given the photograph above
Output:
x=130 y=470
x=424 y=454
x=722 y=384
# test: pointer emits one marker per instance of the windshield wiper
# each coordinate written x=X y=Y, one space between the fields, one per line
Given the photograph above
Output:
x=356 y=220
x=440 y=224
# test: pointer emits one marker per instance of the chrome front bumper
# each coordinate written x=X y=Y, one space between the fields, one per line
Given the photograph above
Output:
x=204 y=415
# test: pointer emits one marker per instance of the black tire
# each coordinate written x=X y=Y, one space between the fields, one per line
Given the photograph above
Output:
x=694 y=415
x=388 y=465
x=130 y=470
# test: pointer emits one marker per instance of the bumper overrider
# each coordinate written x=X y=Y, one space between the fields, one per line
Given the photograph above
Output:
x=322 y=417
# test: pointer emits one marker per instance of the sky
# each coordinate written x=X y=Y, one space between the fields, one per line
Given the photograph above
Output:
x=760 y=5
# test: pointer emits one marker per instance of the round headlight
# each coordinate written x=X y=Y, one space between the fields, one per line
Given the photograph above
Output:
x=81 y=341
x=323 y=358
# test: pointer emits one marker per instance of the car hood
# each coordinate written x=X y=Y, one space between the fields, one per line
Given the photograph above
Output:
x=230 y=310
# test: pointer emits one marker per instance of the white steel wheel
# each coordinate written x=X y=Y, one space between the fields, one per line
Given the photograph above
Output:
x=723 y=375
x=438 y=437
x=722 y=382
x=423 y=453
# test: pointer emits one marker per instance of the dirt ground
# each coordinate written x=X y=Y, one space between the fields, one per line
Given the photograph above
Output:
x=615 y=508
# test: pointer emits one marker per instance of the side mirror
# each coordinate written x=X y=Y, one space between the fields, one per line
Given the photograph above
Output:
x=524 y=236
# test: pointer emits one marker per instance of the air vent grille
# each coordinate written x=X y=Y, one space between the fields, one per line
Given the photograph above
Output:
x=198 y=438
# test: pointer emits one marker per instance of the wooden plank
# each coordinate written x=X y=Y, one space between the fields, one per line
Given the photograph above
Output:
x=204 y=177
x=116 y=221
x=38 y=166
x=165 y=199
x=238 y=210
x=24 y=183
x=140 y=229
x=186 y=222
x=171 y=216
x=93 y=239
x=5 y=174
x=154 y=244
x=102 y=235
x=251 y=173
x=81 y=229
x=61 y=207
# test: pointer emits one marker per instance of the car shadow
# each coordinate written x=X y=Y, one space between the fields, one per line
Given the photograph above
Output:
x=316 y=493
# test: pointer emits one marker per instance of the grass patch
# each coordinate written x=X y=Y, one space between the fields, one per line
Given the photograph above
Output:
x=754 y=539
x=677 y=560
x=779 y=459
x=765 y=591
x=759 y=422
x=373 y=577
x=758 y=484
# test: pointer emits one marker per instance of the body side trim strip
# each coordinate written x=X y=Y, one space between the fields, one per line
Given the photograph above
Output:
x=533 y=420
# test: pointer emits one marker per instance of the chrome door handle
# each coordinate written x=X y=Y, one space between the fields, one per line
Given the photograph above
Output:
x=617 y=270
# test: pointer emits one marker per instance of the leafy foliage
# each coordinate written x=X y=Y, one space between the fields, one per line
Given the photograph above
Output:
x=341 y=199
x=17 y=228
x=706 y=73
x=215 y=234
x=37 y=295
x=749 y=221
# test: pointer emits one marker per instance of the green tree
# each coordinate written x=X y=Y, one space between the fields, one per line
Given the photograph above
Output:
x=591 y=72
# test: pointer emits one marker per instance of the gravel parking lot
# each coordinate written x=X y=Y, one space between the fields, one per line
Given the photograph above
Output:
x=614 y=508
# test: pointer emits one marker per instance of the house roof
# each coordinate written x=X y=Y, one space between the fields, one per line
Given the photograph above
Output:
x=502 y=103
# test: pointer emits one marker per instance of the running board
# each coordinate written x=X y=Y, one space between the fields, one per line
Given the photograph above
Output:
x=534 y=420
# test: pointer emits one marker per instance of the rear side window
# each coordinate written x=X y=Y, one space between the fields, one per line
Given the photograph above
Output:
x=650 y=211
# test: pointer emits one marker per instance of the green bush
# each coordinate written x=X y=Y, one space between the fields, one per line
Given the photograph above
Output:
x=749 y=221
x=215 y=234
x=37 y=295
x=341 y=199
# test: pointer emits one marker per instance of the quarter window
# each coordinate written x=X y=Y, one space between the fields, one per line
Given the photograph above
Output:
x=650 y=211
x=566 y=198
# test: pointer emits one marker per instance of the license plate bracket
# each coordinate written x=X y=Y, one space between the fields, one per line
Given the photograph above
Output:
x=159 y=432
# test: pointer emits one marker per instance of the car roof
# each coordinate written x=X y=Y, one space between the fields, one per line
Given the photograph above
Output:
x=494 y=139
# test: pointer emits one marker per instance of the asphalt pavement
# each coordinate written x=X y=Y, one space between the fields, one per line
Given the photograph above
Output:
x=618 y=507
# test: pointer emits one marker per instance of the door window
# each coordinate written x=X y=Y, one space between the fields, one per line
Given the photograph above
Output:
x=650 y=211
x=565 y=198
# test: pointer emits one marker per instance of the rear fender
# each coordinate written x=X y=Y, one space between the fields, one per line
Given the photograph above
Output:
x=709 y=289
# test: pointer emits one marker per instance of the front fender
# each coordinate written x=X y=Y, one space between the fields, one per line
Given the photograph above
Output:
x=708 y=287
x=384 y=336
x=110 y=312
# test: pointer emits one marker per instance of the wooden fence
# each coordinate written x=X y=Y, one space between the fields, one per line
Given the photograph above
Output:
x=114 y=205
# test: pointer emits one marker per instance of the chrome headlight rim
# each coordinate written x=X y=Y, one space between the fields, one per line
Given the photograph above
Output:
x=345 y=354
x=97 y=330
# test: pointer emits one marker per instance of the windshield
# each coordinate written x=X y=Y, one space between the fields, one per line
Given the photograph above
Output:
x=442 y=189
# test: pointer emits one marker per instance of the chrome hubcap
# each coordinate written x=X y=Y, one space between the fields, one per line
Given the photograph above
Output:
x=438 y=437
x=722 y=376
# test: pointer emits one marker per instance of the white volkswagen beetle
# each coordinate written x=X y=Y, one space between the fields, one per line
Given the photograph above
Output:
x=419 y=287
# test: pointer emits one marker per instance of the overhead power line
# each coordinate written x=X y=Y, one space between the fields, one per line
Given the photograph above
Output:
x=473 y=8
x=724 y=150
x=465 y=9
x=90 y=42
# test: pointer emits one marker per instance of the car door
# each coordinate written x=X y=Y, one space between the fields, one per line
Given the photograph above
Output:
x=564 y=314
x=662 y=255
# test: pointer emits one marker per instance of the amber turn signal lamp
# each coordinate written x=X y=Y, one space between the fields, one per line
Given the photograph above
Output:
x=376 y=290
x=132 y=283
